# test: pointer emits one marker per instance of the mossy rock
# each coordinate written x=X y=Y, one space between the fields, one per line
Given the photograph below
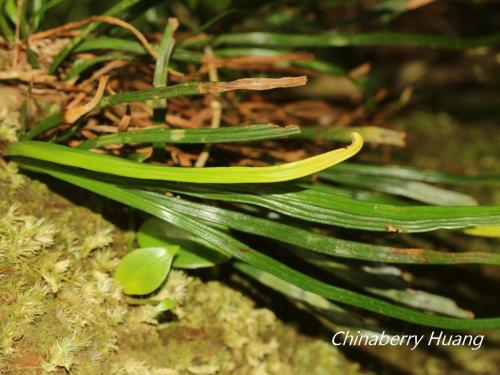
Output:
x=63 y=313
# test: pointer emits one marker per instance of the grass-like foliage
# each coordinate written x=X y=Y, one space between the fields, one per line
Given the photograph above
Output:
x=275 y=203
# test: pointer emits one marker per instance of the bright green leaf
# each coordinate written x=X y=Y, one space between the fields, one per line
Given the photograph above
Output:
x=142 y=271
x=158 y=233
x=127 y=168
x=164 y=305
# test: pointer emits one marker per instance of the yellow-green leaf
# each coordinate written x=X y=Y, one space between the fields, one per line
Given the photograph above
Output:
x=121 y=167
x=484 y=231
x=142 y=271
x=158 y=233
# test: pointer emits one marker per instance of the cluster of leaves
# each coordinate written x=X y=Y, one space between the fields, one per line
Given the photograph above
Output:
x=272 y=202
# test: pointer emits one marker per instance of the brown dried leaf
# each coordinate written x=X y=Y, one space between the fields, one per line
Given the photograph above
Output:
x=254 y=84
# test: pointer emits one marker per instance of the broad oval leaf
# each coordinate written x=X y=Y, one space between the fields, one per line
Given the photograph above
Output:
x=143 y=270
x=158 y=233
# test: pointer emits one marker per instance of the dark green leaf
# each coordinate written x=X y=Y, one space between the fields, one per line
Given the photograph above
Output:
x=216 y=239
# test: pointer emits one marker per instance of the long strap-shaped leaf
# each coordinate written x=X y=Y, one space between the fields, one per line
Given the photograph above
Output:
x=337 y=39
x=371 y=134
x=293 y=235
x=160 y=78
x=127 y=45
x=117 y=166
x=416 y=190
x=181 y=89
x=198 y=88
x=320 y=243
x=215 y=239
x=411 y=173
x=335 y=209
x=220 y=135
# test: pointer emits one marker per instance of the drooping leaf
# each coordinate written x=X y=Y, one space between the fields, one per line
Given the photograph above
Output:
x=216 y=239
x=341 y=210
x=127 y=168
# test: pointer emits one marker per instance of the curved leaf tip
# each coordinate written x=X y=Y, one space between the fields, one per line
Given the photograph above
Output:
x=216 y=175
x=492 y=231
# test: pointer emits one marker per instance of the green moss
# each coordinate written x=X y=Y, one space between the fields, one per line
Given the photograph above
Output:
x=62 y=308
x=217 y=330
